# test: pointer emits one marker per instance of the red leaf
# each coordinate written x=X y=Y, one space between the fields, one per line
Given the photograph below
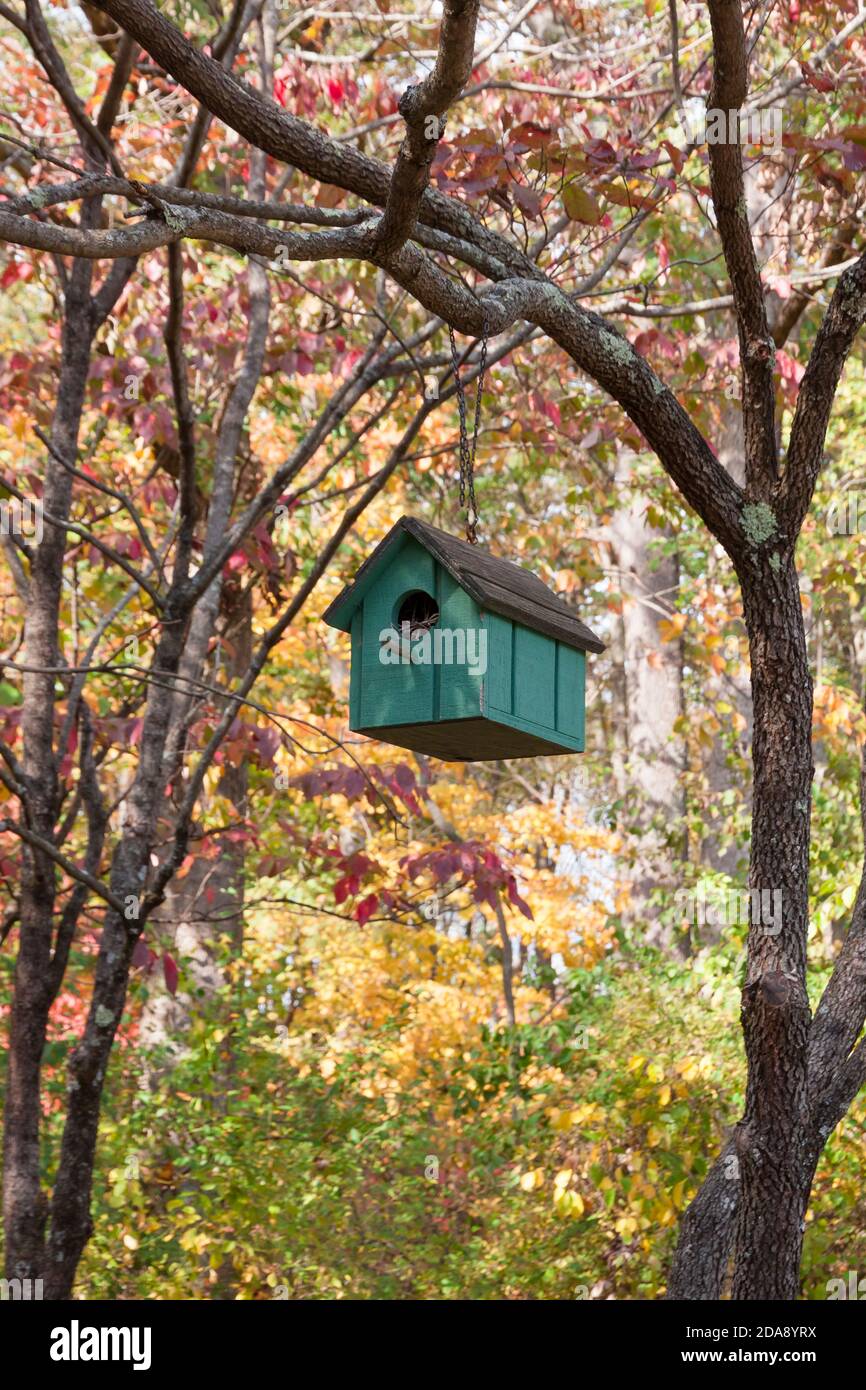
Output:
x=15 y=270
x=366 y=907
x=534 y=136
x=484 y=893
x=600 y=152
x=854 y=156
x=169 y=969
x=404 y=778
x=515 y=898
x=281 y=89
x=526 y=199
x=676 y=155
x=142 y=954
x=814 y=79
x=346 y=887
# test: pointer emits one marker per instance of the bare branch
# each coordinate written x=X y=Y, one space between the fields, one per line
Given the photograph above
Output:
x=82 y=875
x=65 y=524
x=104 y=488
x=236 y=697
x=94 y=142
x=593 y=344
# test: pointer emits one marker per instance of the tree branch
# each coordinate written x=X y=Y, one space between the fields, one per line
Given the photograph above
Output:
x=843 y=320
x=37 y=842
x=596 y=346
x=421 y=107
x=93 y=139
x=757 y=350
x=267 y=126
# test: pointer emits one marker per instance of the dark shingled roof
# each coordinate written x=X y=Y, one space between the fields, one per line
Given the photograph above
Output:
x=497 y=586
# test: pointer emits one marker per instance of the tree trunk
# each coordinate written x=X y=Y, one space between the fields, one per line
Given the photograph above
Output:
x=707 y=1233
x=774 y=1145
x=772 y=1138
x=207 y=903
x=25 y=1206
x=720 y=765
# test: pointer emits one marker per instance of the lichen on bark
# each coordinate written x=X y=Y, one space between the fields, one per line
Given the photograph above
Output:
x=759 y=523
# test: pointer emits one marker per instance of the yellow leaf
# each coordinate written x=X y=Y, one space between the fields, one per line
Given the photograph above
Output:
x=533 y=1179
x=672 y=628
x=569 y=1203
x=580 y=205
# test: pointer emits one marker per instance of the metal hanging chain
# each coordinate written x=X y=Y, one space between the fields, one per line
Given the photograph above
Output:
x=467 y=450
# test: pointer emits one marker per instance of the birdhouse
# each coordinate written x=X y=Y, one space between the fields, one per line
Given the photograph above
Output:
x=461 y=655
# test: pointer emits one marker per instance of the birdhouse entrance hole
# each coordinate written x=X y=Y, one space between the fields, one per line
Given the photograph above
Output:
x=419 y=609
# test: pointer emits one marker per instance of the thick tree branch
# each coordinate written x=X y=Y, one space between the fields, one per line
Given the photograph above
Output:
x=421 y=107
x=267 y=126
x=757 y=350
x=260 y=120
x=120 y=75
x=843 y=320
x=596 y=346
x=835 y=1099
x=184 y=414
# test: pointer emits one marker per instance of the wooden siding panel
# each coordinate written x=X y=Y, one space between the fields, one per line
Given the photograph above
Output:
x=496 y=686
x=534 y=677
x=571 y=666
x=459 y=689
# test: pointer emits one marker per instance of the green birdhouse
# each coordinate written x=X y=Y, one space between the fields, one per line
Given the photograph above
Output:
x=460 y=655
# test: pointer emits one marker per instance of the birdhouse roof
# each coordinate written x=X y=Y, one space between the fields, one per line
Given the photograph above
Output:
x=497 y=586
